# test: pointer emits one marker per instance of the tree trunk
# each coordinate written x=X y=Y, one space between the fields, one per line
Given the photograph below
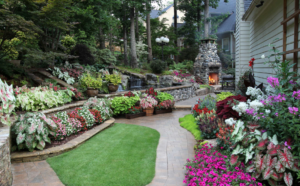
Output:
x=198 y=16
x=137 y=25
x=175 y=27
x=125 y=47
x=101 y=38
x=206 y=23
x=150 y=57
x=132 y=40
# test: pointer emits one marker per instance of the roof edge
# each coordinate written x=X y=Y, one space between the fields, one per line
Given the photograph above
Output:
x=248 y=14
x=250 y=10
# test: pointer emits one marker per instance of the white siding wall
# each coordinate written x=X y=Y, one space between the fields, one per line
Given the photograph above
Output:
x=263 y=30
x=242 y=41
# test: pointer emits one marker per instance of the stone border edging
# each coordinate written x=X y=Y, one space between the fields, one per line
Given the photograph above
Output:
x=17 y=157
x=159 y=89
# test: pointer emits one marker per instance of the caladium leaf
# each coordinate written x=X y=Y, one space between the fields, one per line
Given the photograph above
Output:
x=267 y=161
x=264 y=136
x=234 y=159
x=296 y=168
x=253 y=126
x=32 y=128
x=272 y=152
x=257 y=132
x=250 y=168
x=249 y=155
x=272 y=182
x=273 y=139
x=239 y=126
x=238 y=163
x=280 y=168
x=237 y=150
x=262 y=144
x=271 y=146
x=280 y=176
x=21 y=138
x=286 y=158
x=288 y=179
x=275 y=176
x=259 y=163
x=267 y=173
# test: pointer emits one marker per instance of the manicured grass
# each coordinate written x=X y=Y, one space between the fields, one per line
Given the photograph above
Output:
x=120 y=155
x=188 y=122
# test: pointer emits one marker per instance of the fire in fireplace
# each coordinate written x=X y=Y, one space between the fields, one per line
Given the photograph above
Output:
x=213 y=79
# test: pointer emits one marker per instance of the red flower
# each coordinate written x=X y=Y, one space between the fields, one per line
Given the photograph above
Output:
x=251 y=62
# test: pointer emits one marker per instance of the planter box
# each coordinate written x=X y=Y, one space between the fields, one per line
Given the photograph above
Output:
x=169 y=110
x=131 y=116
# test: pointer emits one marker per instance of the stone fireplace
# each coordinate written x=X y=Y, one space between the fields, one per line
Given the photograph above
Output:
x=208 y=65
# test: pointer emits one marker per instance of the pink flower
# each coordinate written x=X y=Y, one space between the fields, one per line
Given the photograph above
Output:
x=273 y=81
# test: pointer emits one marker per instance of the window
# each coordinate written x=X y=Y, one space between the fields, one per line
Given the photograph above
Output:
x=225 y=44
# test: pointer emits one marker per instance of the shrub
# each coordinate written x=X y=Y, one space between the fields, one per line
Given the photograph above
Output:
x=89 y=81
x=224 y=135
x=224 y=108
x=189 y=53
x=97 y=115
x=115 y=79
x=102 y=105
x=74 y=114
x=157 y=66
x=87 y=115
x=120 y=105
x=223 y=95
x=163 y=96
x=165 y=105
x=135 y=110
x=32 y=130
x=189 y=65
x=105 y=57
x=68 y=42
x=84 y=53
x=8 y=102
x=208 y=124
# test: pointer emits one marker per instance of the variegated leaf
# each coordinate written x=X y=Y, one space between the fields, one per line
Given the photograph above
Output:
x=250 y=168
x=259 y=163
x=279 y=167
x=288 y=179
x=275 y=176
x=286 y=158
x=272 y=182
x=274 y=139
x=267 y=173
x=21 y=138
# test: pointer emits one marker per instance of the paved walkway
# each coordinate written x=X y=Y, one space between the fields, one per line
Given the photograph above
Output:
x=175 y=146
x=192 y=101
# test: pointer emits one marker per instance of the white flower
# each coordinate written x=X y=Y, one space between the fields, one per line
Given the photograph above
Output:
x=268 y=111
x=256 y=104
x=263 y=56
x=230 y=121
x=241 y=107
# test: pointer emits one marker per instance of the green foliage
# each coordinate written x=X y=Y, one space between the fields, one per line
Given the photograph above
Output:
x=89 y=81
x=163 y=96
x=189 y=123
x=115 y=79
x=105 y=57
x=205 y=86
x=223 y=95
x=241 y=85
x=41 y=98
x=120 y=105
x=209 y=102
x=189 y=53
x=68 y=42
x=178 y=66
x=189 y=65
x=157 y=66
x=32 y=130
x=84 y=53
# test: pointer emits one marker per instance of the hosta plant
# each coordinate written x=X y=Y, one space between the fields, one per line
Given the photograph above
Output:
x=32 y=130
x=7 y=102
x=62 y=75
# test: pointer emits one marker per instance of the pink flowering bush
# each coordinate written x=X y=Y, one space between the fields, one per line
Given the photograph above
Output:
x=60 y=132
x=211 y=168
x=148 y=102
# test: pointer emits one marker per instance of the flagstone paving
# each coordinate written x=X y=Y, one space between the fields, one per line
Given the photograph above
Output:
x=175 y=146
x=193 y=100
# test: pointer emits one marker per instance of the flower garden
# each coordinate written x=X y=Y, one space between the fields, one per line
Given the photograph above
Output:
x=257 y=133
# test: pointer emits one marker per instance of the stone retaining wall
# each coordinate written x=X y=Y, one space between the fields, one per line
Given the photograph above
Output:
x=182 y=93
x=6 y=176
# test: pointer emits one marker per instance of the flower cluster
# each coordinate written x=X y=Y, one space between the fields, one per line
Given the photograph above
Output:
x=129 y=94
x=273 y=81
x=60 y=132
x=293 y=110
x=151 y=92
x=224 y=134
x=180 y=74
x=97 y=115
x=251 y=62
x=177 y=79
x=135 y=110
x=200 y=111
x=210 y=167
x=72 y=72
x=296 y=94
x=148 y=102
x=165 y=105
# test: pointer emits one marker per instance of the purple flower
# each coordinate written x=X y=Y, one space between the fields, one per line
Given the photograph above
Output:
x=296 y=94
x=263 y=131
x=292 y=82
x=273 y=81
x=276 y=114
x=293 y=110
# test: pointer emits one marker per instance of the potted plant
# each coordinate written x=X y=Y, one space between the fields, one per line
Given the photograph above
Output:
x=113 y=82
x=164 y=107
x=148 y=103
x=92 y=84
x=134 y=112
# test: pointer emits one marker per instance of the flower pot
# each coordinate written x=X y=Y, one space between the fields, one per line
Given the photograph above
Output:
x=169 y=110
x=91 y=92
x=112 y=88
x=149 y=111
x=131 y=116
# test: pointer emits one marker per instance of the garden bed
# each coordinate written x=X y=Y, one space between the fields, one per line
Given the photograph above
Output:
x=163 y=111
x=132 y=116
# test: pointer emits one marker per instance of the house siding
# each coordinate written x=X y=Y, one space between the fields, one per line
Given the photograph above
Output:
x=242 y=37
x=264 y=28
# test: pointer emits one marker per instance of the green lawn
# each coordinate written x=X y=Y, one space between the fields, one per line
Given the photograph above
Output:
x=188 y=122
x=120 y=155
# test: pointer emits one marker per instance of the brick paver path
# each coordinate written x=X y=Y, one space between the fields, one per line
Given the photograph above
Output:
x=175 y=146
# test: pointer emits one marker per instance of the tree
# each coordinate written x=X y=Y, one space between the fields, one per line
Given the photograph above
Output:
x=175 y=26
x=206 y=15
x=148 y=24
